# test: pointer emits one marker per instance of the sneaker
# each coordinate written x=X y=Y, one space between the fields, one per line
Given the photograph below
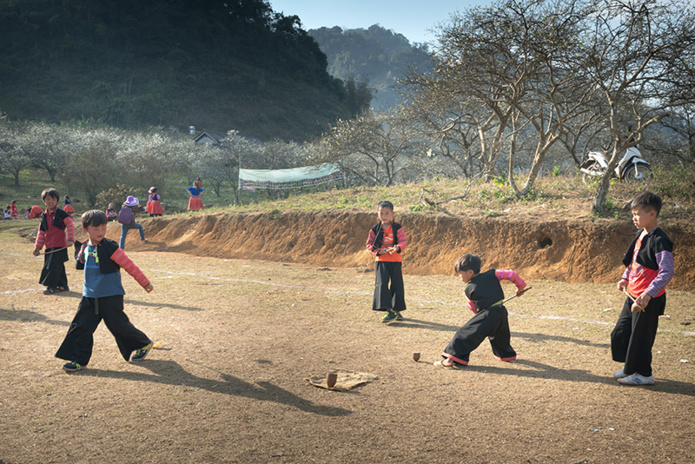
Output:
x=399 y=316
x=636 y=379
x=389 y=317
x=72 y=366
x=141 y=353
x=619 y=374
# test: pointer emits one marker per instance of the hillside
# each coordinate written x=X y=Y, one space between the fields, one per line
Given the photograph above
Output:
x=374 y=55
x=568 y=250
x=130 y=64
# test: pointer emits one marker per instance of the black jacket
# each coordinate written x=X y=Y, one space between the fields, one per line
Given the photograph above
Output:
x=105 y=249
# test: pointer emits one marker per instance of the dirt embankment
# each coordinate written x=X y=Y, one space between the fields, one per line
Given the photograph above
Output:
x=572 y=250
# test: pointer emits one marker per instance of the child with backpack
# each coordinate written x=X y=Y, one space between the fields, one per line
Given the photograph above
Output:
x=126 y=217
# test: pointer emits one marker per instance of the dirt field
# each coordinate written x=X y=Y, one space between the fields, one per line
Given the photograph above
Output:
x=241 y=336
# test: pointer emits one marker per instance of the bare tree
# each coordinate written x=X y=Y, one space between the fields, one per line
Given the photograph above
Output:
x=370 y=147
x=14 y=155
x=638 y=53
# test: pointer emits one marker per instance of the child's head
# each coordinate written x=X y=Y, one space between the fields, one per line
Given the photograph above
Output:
x=94 y=217
x=50 y=192
x=385 y=211
x=14 y=202
x=467 y=266
x=50 y=197
x=111 y=206
x=645 y=210
x=94 y=223
x=67 y=197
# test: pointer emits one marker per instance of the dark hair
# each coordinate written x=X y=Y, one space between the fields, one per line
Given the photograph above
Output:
x=468 y=262
x=647 y=201
x=94 y=217
x=50 y=192
x=385 y=204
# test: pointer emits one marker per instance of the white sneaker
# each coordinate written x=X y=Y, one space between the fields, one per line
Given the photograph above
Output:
x=636 y=379
x=619 y=374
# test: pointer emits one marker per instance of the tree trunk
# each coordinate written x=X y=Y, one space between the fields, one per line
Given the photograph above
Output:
x=599 y=205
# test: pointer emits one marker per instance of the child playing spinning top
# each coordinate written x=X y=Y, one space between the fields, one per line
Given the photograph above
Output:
x=386 y=241
x=102 y=298
x=649 y=267
x=55 y=223
x=485 y=298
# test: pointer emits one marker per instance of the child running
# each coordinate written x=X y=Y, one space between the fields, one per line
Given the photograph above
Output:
x=387 y=241
x=54 y=223
x=649 y=267
x=485 y=298
x=102 y=298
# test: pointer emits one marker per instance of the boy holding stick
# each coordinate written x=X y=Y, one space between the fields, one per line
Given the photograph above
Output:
x=649 y=267
x=54 y=223
x=486 y=299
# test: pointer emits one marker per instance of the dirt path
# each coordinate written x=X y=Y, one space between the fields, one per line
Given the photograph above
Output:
x=240 y=337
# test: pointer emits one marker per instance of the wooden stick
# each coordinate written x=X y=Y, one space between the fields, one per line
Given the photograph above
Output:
x=634 y=301
x=53 y=251
x=628 y=295
x=514 y=296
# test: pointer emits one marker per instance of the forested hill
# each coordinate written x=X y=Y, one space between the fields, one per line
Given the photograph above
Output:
x=132 y=63
x=376 y=55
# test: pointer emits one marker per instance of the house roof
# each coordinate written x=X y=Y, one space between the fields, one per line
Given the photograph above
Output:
x=209 y=137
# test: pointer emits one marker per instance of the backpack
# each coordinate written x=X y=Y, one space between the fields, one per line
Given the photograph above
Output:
x=125 y=216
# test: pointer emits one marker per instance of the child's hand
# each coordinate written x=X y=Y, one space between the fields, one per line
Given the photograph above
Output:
x=392 y=250
x=521 y=291
x=36 y=252
x=148 y=288
x=69 y=243
x=642 y=301
x=622 y=284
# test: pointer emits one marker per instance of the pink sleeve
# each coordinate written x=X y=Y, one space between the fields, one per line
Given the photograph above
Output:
x=510 y=275
x=120 y=258
x=401 y=239
x=70 y=226
x=40 y=239
x=472 y=307
x=370 y=242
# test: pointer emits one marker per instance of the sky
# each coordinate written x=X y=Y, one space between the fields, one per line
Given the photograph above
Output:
x=413 y=18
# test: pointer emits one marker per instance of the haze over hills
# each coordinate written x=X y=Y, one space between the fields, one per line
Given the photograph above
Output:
x=133 y=64
x=375 y=54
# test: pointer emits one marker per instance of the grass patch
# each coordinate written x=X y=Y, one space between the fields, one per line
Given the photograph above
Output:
x=553 y=196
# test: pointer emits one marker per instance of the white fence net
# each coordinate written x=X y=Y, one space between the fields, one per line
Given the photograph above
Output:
x=278 y=179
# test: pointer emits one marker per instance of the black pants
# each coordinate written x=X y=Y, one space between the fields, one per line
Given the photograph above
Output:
x=53 y=273
x=633 y=336
x=386 y=298
x=79 y=340
x=492 y=323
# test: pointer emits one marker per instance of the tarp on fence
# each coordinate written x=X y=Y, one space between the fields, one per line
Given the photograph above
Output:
x=276 y=179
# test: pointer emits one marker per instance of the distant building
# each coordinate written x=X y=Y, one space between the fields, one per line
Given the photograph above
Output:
x=214 y=138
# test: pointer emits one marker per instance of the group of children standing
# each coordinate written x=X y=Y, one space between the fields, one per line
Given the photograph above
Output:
x=648 y=269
